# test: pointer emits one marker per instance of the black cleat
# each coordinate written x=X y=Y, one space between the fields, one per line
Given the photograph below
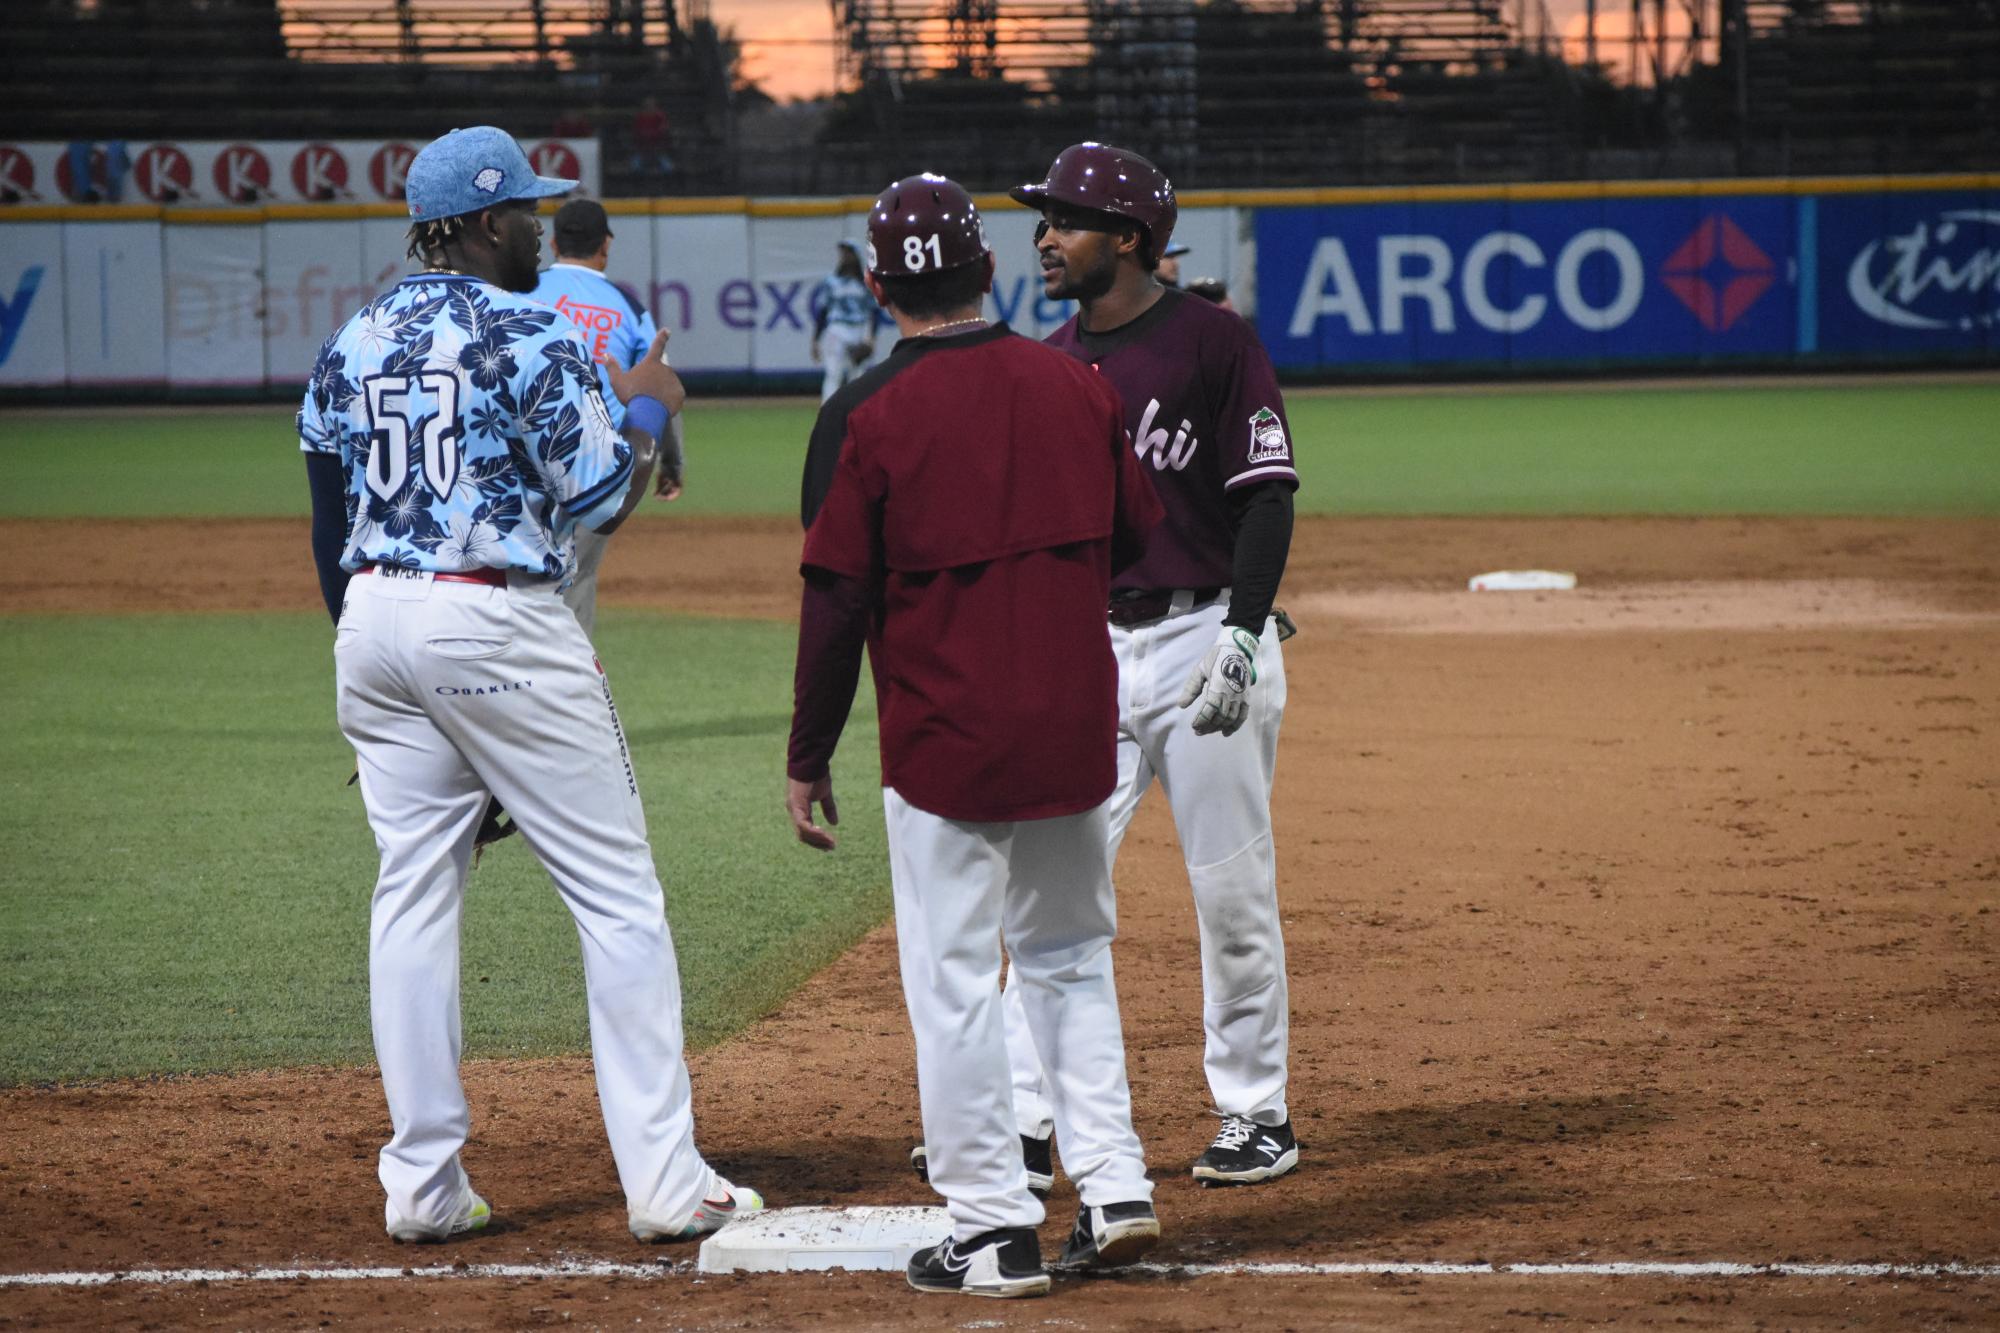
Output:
x=1037 y=1155
x=1109 y=1237
x=1247 y=1153
x=1004 y=1263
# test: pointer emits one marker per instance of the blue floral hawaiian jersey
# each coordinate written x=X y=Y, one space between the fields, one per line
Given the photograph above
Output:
x=471 y=427
x=846 y=301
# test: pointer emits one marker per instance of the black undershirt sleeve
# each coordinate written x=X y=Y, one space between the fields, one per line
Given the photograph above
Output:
x=1263 y=517
x=328 y=480
x=822 y=456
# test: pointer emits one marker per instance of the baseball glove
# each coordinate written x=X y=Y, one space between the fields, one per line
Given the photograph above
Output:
x=496 y=825
x=859 y=352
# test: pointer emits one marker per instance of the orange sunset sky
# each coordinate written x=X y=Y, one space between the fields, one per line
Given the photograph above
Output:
x=788 y=44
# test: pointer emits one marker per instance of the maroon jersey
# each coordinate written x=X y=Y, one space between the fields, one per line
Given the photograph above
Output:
x=979 y=488
x=1206 y=418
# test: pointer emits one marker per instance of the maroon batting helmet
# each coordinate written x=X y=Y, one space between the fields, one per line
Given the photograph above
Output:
x=923 y=224
x=1108 y=180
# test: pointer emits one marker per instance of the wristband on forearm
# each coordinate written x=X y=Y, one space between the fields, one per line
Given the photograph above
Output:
x=647 y=414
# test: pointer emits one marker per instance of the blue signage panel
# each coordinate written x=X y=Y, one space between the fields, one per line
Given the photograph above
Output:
x=1700 y=277
x=1909 y=273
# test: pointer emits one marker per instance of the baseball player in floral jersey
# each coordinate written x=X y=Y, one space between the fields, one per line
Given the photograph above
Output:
x=455 y=439
x=1201 y=677
x=967 y=502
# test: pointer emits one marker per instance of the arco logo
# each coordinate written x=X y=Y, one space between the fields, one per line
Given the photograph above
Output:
x=1718 y=272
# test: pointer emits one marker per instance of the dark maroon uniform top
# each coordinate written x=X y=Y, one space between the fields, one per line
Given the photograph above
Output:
x=1206 y=418
x=979 y=492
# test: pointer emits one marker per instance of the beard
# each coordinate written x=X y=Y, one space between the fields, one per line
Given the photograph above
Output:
x=1081 y=282
x=517 y=263
x=519 y=274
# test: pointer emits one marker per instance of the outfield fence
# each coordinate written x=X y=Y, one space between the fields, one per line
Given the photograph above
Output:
x=1442 y=280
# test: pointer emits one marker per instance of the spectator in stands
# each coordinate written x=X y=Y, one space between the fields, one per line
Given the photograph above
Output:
x=1212 y=290
x=97 y=171
x=573 y=123
x=652 y=143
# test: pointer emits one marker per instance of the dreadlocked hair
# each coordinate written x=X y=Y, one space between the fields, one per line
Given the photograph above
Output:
x=428 y=239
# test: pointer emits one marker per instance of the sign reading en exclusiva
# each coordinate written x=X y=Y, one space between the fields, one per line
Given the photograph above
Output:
x=1695 y=278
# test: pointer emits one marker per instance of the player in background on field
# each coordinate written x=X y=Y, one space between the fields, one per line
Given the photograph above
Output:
x=966 y=502
x=843 y=322
x=1214 y=291
x=455 y=439
x=617 y=330
x=1168 y=270
x=1201 y=676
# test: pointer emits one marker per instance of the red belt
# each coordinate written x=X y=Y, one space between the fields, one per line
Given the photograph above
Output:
x=492 y=578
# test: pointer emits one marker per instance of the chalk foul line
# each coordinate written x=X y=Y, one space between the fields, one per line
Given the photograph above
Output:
x=575 y=1269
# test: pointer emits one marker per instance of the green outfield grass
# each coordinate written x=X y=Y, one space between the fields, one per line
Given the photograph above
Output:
x=1846 y=448
x=187 y=877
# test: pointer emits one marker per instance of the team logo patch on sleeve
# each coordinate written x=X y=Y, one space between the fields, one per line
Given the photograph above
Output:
x=1267 y=437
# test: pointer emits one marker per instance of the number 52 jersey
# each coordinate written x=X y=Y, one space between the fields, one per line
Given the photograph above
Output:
x=471 y=428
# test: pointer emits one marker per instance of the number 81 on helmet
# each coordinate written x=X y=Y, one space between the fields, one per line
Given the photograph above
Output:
x=923 y=224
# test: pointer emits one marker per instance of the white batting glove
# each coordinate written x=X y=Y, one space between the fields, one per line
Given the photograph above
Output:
x=1222 y=682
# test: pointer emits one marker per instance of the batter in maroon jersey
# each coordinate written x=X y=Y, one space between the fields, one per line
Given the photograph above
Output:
x=966 y=503
x=1201 y=688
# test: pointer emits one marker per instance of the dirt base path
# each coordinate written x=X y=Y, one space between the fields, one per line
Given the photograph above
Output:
x=1654 y=922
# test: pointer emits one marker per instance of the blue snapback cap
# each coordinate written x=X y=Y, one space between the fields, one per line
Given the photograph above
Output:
x=469 y=170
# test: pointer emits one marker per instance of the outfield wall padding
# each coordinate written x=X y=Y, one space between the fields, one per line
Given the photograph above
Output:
x=1501 y=279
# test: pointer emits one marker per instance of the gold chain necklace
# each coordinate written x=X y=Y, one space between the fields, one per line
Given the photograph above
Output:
x=977 y=321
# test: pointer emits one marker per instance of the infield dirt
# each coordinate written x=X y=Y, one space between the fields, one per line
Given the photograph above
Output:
x=1653 y=921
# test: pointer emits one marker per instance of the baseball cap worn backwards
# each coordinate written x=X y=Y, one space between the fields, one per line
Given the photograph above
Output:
x=469 y=170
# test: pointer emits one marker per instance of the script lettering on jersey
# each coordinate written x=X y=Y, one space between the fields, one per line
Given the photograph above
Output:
x=392 y=413
x=595 y=322
x=1154 y=443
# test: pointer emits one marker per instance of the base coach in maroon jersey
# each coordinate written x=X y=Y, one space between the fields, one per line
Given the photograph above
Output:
x=967 y=503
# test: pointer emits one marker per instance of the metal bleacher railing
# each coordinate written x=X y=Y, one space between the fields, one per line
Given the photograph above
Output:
x=1229 y=93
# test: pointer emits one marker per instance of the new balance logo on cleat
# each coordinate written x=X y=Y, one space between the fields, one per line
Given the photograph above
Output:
x=1247 y=1153
x=1003 y=1263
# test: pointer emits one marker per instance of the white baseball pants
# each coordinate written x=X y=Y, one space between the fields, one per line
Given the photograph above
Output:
x=835 y=356
x=1219 y=788
x=1045 y=885
x=448 y=691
